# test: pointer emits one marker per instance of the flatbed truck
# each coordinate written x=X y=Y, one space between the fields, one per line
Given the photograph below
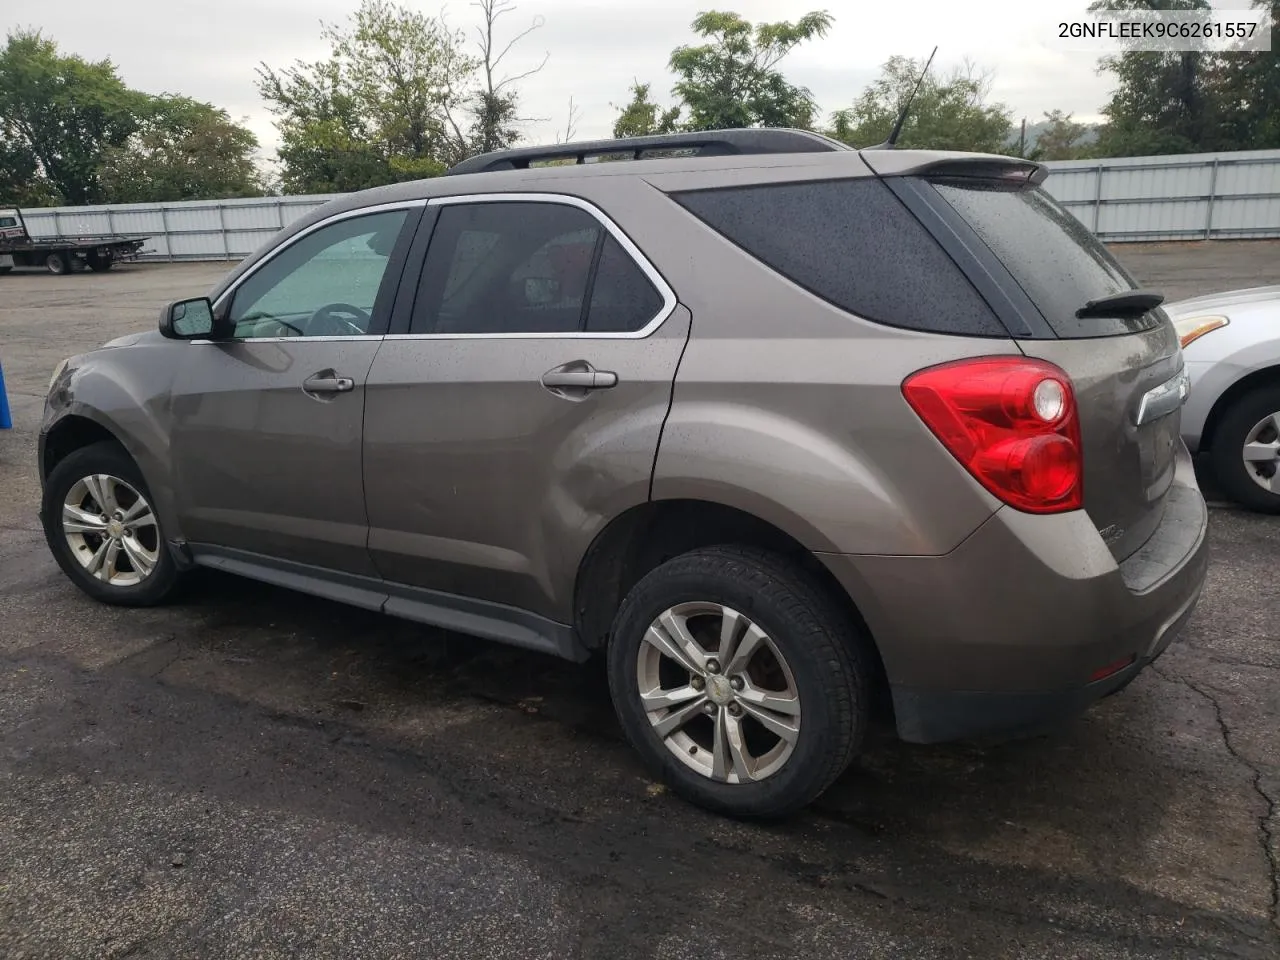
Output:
x=60 y=255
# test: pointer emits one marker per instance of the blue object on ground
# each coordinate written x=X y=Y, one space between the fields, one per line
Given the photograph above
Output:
x=6 y=421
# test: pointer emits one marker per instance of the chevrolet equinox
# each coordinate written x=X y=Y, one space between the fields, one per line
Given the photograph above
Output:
x=782 y=429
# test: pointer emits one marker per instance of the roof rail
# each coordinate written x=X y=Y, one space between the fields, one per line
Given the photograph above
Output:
x=711 y=143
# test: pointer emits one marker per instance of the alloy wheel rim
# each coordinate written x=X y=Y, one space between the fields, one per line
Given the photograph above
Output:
x=718 y=692
x=1262 y=453
x=111 y=530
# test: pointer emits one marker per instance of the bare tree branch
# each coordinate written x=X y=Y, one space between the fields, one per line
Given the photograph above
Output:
x=538 y=23
x=571 y=128
x=522 y=76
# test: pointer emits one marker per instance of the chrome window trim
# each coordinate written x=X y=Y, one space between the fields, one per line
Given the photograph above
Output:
x=277 y=251
x=351 y=339
x=668 y=295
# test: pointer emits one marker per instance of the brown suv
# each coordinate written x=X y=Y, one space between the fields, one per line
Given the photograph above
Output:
x=775 y=425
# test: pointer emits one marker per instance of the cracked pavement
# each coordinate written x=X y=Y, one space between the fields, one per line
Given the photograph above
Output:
x=253 y=773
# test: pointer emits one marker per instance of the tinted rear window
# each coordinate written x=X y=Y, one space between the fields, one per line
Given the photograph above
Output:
x=1051 y=255
x=854 y=244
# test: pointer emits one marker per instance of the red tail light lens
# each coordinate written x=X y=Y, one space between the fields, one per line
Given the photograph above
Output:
x=1012 y=422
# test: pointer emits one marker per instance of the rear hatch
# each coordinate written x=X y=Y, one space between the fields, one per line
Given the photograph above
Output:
x=1122 y=354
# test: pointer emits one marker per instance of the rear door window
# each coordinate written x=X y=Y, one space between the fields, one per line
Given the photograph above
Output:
x=529 y=267
x=507 y=268
x=854 y=244
x=1054 y=258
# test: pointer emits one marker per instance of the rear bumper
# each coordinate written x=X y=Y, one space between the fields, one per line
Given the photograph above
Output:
x=1008 y=632
x=932 y=716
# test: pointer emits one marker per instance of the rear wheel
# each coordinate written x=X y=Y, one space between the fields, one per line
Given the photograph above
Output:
x=101 y=525
x=738 y=681
x=1246 y=450
x=57 y=263
x=100 y=261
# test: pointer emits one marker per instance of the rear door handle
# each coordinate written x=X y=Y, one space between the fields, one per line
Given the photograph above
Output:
x=586 y=379
x=328 y=382
x=573 y=379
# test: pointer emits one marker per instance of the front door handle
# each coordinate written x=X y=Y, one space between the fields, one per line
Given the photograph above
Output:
x=327 y=381
x=572 y=379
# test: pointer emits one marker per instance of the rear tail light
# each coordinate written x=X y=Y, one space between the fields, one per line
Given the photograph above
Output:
x=1012 y=422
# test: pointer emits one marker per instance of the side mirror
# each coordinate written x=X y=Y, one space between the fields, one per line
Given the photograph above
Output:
x=187 y=319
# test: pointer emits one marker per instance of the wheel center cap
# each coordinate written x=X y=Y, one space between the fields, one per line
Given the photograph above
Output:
x=115 y=530
x=719 y=690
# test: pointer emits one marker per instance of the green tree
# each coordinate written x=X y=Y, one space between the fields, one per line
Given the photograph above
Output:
x=63 y=113
x=1164 y=101
x=949 y=113
x=732 y=80
x=21 y=180
x=378 y=110
x=641 y=117
x=182 y=150
x=1249 y=87
x=1061 y=139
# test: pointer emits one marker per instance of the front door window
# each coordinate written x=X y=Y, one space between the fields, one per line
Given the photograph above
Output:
x=324 y=285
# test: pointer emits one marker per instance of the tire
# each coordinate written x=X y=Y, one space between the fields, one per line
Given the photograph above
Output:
x=812 y=652
x=4 y=270
x=57 y=264
x=100 y=262
x=124 y=580
x=1245 y=421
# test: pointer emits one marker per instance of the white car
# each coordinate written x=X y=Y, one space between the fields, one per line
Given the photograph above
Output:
x=1231 y=342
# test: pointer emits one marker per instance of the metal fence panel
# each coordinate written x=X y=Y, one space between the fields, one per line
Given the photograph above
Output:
x=195 y=230
x=1195 y=196
x=1190 y=197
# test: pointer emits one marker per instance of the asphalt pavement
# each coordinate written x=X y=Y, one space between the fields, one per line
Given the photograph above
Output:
x=254 y=773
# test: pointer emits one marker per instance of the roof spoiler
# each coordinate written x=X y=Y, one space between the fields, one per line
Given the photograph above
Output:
x=1011 y=170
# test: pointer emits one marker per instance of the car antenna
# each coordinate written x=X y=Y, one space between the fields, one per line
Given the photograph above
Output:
x=906 y=107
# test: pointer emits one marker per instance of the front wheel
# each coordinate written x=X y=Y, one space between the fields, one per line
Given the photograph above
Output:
x=1246 y=450
x=101 y=525
x=739 y=681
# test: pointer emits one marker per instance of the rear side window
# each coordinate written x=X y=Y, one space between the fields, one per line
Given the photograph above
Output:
x=1051 y=255
x=622 y=298
x=852 y=243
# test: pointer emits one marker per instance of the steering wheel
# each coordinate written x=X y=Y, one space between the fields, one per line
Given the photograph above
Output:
x=326 y=319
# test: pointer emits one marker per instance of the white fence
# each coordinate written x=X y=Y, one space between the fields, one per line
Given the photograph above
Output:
x=192 y=230
x=1191 y=197
x=1205 y=196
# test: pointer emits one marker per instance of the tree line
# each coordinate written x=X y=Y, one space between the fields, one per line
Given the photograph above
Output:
x=402 y=95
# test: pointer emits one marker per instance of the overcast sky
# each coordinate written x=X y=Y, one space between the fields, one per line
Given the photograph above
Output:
x=208 y=49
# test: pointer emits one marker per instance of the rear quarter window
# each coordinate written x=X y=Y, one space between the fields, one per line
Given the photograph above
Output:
x=854 y=244
x=1050 y=254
